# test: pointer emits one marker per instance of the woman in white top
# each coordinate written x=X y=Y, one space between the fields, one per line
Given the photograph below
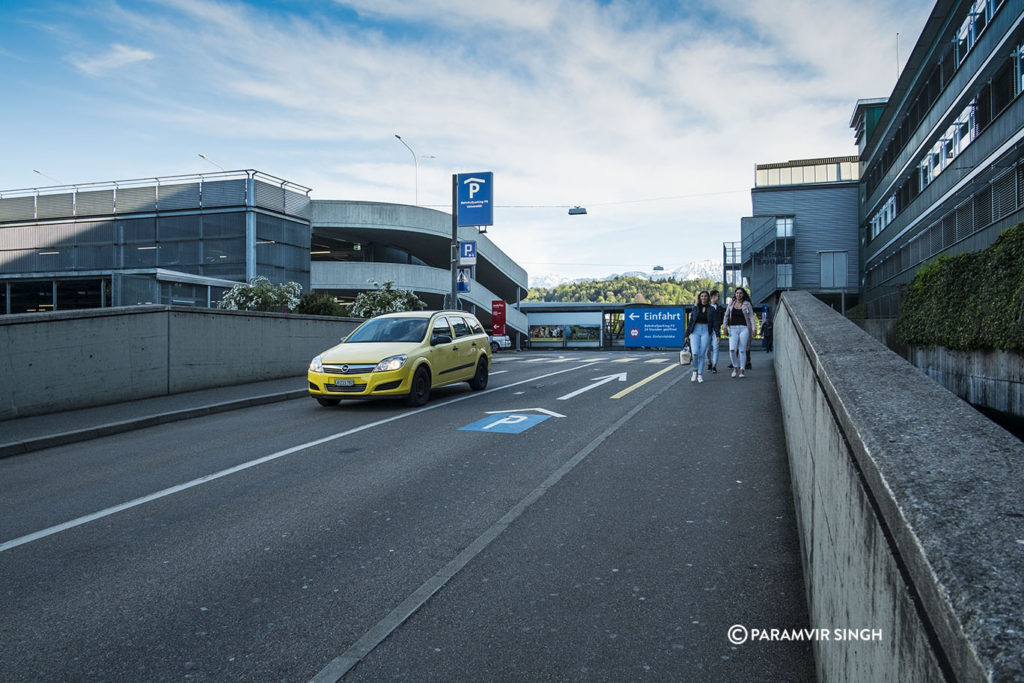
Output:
x=739 y=325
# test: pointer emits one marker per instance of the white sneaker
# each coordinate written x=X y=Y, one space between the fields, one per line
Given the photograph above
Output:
x=734 y=372
x=700 y=379
x=742 y=375
x=693 y=377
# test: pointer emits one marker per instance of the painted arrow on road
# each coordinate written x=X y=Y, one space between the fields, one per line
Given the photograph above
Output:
x=526 y=410
x=598 y=381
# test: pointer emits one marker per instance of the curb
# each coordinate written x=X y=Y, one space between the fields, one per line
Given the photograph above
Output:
x=39 y=443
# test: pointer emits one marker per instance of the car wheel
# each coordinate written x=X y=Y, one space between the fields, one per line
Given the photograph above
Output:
x=494 y=347
x=419 y=392
x=327 y=402
x=479 y=380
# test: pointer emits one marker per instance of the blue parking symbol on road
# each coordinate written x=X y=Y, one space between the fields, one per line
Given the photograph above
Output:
x=505 y=423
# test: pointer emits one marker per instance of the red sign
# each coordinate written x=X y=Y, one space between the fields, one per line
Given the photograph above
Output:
x=498 y=318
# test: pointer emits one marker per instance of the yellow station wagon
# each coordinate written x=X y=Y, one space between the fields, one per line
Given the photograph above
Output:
x=403 y=354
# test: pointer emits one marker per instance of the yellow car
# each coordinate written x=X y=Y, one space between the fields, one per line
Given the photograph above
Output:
x=403 y=354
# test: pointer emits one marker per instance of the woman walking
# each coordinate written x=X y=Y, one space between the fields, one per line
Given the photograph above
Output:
x=739 y=325
x=699 y=333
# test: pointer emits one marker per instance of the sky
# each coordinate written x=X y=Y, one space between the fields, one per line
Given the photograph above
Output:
x=650 y=114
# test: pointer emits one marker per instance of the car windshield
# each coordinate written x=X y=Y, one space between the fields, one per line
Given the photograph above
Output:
x=390 y=330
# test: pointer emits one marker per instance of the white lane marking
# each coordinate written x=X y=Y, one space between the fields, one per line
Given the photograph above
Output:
x=657 y=361
x=498 y=372
x=50 y=531
x=343 y=663
x=598 y=381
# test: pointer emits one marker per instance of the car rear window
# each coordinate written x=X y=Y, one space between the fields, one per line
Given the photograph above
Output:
x=461 y=328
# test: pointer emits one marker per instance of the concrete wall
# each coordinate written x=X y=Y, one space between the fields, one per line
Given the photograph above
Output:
x=909 y=508
x=65 y=360
x=991 y=379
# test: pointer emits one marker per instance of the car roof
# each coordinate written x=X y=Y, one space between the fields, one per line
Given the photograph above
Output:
x=425 y=314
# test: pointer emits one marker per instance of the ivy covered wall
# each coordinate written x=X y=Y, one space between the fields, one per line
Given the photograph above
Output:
x=971 y=301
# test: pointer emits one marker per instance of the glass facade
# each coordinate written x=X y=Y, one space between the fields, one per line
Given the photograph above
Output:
x=811 y=171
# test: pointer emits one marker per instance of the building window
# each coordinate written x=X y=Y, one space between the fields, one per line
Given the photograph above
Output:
x=832 y=269
x=783 y=227
x=32 y=296
x=883 y=217
x=977 y=19
x=1018 y=70
x=783 y=275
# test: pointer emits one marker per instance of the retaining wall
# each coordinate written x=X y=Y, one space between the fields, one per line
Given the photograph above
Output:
x=909 y=507
x=990 y=379
x=74 y=359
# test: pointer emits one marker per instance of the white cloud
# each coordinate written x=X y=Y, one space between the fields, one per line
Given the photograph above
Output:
x=117 y=57
x=568 y=102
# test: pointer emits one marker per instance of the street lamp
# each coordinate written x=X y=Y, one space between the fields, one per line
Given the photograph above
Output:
x=46 y=176
x=416 y=165
x=206 y=158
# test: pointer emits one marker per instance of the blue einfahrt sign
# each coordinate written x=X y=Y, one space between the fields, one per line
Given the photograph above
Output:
x=655 y=327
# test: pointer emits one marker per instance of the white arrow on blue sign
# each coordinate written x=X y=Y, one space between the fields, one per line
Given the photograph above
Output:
x=655 y=327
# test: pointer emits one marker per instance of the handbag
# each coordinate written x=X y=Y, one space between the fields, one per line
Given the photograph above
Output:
x=685 y=357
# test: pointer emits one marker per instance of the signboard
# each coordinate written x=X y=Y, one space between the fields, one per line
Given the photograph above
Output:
x=655 y=327
x=463 y=279
x=498 y=318
x=475 y=198
x=467 y=253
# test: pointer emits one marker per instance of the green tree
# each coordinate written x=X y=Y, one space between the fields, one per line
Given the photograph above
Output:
x=387 y=299
x=260 y=294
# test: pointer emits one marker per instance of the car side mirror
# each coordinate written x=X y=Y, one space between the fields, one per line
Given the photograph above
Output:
x=439 y=339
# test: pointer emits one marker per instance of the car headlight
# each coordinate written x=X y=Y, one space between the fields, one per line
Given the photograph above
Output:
x=390 y=363
x=316 y=365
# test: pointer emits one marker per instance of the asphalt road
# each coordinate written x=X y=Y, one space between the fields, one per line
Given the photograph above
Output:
x=617 y=536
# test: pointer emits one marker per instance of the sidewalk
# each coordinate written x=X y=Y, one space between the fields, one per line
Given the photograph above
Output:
x=33 y=433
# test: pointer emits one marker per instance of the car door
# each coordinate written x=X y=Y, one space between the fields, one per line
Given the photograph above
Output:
x=444 y=357
x=467 y=346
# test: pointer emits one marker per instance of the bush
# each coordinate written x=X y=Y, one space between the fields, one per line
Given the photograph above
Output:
x=320 y=304
x=387 y=299
x=260 y=294
x=970 y=301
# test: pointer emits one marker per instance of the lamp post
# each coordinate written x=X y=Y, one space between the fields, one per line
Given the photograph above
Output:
x=46 y=176
x=416 y=165
x=206 y=158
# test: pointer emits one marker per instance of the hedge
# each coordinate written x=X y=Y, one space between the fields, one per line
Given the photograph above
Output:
x=971 y=301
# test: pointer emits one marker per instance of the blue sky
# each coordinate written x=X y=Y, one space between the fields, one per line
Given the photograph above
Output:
x=650 y=114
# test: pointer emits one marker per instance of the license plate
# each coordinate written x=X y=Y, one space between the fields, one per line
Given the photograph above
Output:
x=344 y=382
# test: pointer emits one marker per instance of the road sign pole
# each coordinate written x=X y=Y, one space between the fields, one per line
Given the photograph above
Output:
x=454 y=301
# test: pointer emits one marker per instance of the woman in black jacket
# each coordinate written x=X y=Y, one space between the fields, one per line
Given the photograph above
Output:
x=699 y=332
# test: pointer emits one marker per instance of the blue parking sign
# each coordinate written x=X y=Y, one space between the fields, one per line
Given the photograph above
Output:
x=467 y=253
x=475 y=199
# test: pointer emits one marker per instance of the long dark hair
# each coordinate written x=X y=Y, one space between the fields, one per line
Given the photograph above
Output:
x=746 y=297
x=698 y=307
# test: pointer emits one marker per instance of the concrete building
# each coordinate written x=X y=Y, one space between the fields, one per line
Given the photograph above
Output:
x=186 y=240
x=942 y=157
x=181 y=240
x=803 y=231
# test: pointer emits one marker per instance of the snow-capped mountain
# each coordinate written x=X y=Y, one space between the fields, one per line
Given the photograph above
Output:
x=709 y=268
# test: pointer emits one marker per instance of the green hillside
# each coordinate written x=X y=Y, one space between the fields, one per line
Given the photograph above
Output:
x=626 y=290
